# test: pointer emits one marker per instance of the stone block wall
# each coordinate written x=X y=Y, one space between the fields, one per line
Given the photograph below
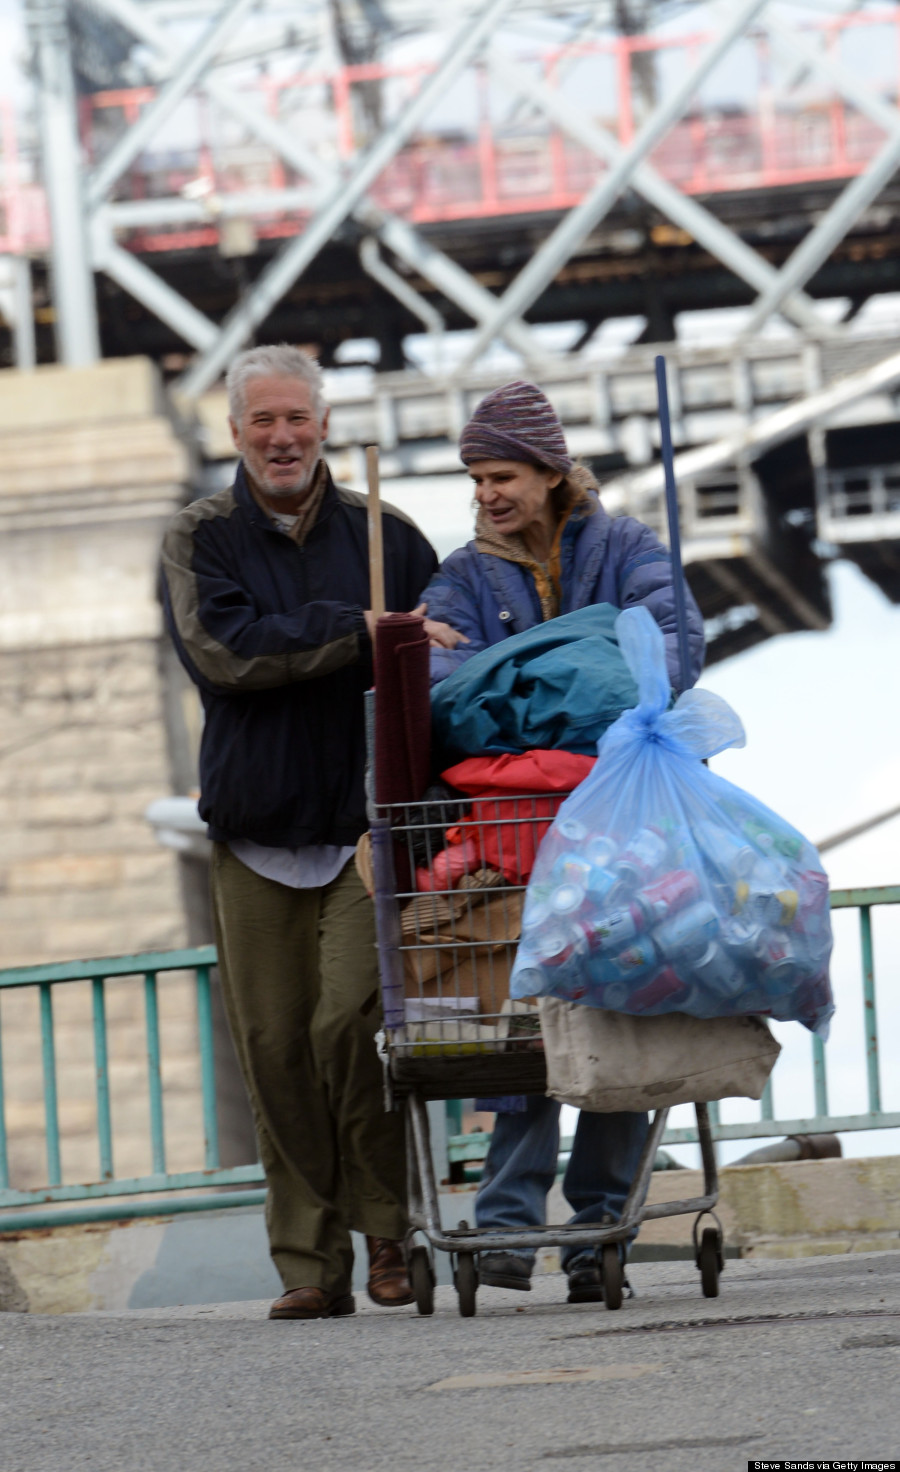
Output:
x=93 y=467
x=83 y=752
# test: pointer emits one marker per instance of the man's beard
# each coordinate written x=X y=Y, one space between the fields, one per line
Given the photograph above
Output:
x=278 y=488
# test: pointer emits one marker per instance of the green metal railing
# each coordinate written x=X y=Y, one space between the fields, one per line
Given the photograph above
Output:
x=107 y=1196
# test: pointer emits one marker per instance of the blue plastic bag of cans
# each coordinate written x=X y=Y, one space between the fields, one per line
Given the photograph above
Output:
x=660 y=887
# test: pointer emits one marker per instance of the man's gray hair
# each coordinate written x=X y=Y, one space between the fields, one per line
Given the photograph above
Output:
x=277 y=360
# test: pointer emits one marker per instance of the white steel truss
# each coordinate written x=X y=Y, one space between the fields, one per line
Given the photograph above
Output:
x=402 y=239
x=332 y=194
x=281 y=273
x=746 y=444
x=700 y=223
x=847 y=208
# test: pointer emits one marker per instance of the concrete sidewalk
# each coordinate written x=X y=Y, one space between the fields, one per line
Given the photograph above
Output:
x=790 y=1209
x=795 y=1359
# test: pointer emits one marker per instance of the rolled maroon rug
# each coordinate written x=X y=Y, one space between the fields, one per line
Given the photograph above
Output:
x=402 y=709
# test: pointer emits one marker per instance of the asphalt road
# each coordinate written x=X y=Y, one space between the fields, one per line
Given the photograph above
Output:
x=794 y=1359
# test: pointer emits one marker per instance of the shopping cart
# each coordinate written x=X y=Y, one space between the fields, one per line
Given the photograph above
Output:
x=449 y=882
x=447 y=932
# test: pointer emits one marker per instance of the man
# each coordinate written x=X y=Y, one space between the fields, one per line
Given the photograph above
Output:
x=267 y=599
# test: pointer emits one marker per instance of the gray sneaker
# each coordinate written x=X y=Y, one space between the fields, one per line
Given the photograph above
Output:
x=504 y=1270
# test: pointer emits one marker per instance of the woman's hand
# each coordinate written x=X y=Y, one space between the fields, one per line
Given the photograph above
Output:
x=440 y=636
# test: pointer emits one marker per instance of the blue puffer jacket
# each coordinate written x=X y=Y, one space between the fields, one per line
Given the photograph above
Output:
x=602 y=560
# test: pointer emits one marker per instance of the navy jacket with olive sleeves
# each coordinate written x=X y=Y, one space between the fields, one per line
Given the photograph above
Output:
x=274 y=636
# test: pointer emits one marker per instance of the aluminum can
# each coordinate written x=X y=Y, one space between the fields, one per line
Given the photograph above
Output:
x=555 y=946
x=813 y=920
x=813 y=890
x=616 y=995
x=536 y=917
x=665 y=987
x=769 y=840
x=717 y=972
x=572 y=830
x=725 y=851
x=638 y=959
x=814 y=997
x=601 y=851
x=561 y=963
x=698 y=1002
x=603 y=886
x=641 y=860
x=614 y=931
x=682 y=848
x=688 y=931
x=531 y=981
x=778 y=961
x=674 y=892
x=567 y=899
x=571 y=868
x=764 y=905
x=741 y=938
x=537 y=911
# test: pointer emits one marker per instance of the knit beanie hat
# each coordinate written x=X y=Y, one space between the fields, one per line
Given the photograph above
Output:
x=516 y=422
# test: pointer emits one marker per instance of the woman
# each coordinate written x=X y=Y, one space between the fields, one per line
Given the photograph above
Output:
x=544 y=546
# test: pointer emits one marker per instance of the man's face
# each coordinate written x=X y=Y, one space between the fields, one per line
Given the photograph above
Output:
x=279 y=436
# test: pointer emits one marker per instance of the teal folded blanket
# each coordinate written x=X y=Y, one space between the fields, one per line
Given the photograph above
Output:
x=557 y=686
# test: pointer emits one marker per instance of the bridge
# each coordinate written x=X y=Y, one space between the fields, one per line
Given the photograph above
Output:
x=373 y=183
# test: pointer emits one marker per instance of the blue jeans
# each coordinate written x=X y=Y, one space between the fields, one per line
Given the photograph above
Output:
x=521 y=1167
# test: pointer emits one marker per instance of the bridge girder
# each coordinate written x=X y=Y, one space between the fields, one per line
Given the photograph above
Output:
x=337 y=195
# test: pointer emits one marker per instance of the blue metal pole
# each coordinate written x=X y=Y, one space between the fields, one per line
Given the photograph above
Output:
x=665 y=443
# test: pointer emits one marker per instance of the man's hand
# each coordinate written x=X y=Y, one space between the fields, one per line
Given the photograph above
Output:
x=440 y=636
x=370 y=619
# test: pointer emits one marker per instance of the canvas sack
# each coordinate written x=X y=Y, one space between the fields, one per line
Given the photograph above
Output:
x=607 y=1061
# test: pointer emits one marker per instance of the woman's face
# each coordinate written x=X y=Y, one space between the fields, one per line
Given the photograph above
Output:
x=513 y=494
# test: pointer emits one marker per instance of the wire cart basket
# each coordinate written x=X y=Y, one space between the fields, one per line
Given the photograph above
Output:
x=449 y=881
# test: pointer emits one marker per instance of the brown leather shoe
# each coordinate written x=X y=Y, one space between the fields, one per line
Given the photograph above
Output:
x=388 y=1284
x=312 y=1303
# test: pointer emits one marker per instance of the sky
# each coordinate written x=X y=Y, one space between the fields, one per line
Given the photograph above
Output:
x=822 y=715
x=12 y=84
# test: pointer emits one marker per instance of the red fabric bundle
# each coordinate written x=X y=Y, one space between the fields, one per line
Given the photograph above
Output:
x=523 y=771
x=402 y=708
x=504 y=827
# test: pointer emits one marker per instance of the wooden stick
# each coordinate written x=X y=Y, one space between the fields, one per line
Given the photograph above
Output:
x=376 y=547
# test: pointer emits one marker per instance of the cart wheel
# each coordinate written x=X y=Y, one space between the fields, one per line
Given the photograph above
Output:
x=612 y=1274
x=466 y=1279
x=422 y=1279
x=708 y=1261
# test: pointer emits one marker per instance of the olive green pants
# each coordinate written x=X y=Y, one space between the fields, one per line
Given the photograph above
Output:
x=300 y=982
